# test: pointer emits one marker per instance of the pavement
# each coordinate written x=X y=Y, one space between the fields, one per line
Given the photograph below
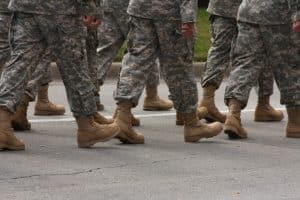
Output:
x=263 y=167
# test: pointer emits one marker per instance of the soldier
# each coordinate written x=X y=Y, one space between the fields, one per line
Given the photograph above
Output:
x=224 y=33
x=39 y=27
x=265 y=38
x=163 y=30
x=112 y=35
x=43 y=105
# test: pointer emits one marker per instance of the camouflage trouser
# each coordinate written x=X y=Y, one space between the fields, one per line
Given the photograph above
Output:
x=112 y=35
x=32 y=38
x=5 y=19
x=258 y=46
x=38 y=77
x=93 y=61
x=147 y=41
x=224 y=33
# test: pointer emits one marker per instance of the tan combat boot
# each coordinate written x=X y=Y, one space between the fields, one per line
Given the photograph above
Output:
x=264 y=112
x=135 y=121
x=202 y=111
x=89 y=132
x=208 y=101
x=100 y=119
x=43 y=106
x=152 y=101
x=8 y=140
x=233 y=126
x=195 y=130
x=124 y=119
x=293 y=125
x=19 y=120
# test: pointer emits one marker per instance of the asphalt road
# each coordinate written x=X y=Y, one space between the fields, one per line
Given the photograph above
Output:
x=263 y=167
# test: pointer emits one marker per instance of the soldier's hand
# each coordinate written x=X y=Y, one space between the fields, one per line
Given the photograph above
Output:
x=90 y=21
x=188 y=30
x=296 y=26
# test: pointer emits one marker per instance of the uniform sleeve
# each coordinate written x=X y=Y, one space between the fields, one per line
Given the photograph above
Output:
x=188 y=10
x=295 y=9
x=90 y=7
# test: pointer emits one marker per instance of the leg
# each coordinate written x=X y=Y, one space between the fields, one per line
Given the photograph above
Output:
x=264 y=112
x=91 y=48
x=17 y=72
x=41 y=80
x=176 y=59
x=5 y=20
x=249 y=58
x=110 y=40
x=224 y=33
x=68 y=47
x=142 y=53
x=283 y=54
x=152 y=101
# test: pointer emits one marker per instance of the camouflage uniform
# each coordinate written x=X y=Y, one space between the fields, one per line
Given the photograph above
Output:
x=224 y=33
x=92 y=59
x=5 y=17
x=112 y=35
x=38 y=77
x=155 y=33
x=49 y=26
x=265 y=38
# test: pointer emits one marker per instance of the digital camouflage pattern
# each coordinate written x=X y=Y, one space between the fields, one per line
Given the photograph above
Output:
x=294 y=6
x=5 y=19
x=265 y=45
x=224 y=32
x=112 y=35
x=4 y=6
x=184 y=10
x=267 y=40
x=62 y=35
x=151 y=39
x=92 y=59
x=224 y=8
x=268 y=12
x=38 y=76
x=54 y=7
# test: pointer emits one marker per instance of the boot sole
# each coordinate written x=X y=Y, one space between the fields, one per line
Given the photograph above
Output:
x=91 y=143
x=7 y=147
x=17 y=127
x=292 y=135
x=127 y=140
x=47 y=113
x=136 y=124
x=179 y=123
x=192 y=139
x=155 y=109
x=267 y=120
x=233 y=133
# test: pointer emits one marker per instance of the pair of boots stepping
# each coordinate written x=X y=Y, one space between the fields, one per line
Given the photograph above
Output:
x=264 y=112
x=42 y=107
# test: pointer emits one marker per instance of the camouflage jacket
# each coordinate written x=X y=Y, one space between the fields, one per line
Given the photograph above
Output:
x=184 y=10
x=268 y=12
x=224 y=8
x=3 y=5
x=56 y=7
x=295 y=9
x=111 y=5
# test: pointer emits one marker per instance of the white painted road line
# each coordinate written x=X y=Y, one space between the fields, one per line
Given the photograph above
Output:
x=169 y=114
